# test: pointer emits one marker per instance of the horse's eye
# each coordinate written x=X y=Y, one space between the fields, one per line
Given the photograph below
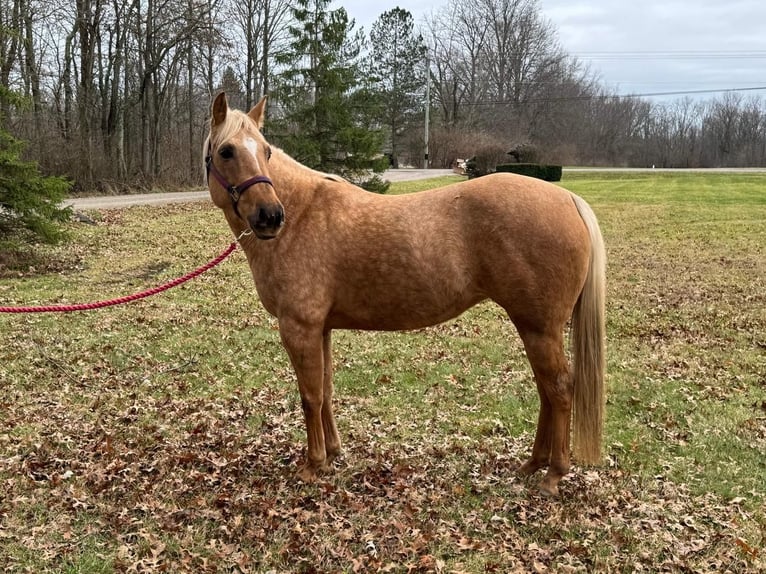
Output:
x=268 y=153
x=226 y=152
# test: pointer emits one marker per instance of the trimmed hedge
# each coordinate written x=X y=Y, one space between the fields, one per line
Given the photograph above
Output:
x=546 y=172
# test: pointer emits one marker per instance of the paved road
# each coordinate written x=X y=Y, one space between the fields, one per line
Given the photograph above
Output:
x=115 y=201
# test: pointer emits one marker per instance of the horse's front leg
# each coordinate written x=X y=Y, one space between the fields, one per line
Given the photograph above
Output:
x=331 y=437
x=305 y=346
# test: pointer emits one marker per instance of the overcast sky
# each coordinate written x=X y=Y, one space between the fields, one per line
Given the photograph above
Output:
x=645 y=46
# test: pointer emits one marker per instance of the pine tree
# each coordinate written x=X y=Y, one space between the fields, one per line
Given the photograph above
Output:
x=231 y=84
x=324 y=115
x=29 y=202
x=398 y=67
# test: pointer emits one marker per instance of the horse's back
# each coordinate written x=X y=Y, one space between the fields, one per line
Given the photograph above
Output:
x=524 y=199
x=509 y=220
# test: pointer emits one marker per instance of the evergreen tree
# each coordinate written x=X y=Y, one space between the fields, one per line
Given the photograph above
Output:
x=325 y=117
x=29 y=202
x=233 y=87
x=398 y=66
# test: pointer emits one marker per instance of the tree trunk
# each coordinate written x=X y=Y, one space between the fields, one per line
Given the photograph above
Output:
x=147 y=93
x=190 y=93
x=9 y=51
x=66 y=81
x=87 y=18
x=32 y=77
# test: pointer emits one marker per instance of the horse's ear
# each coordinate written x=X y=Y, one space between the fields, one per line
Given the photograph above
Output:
x=220 y=107
x=257 y=112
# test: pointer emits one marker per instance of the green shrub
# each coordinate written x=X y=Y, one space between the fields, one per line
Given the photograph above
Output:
x=546 y=172
x=487 y=157
x=30 y=203
x=525 y=153
x=376 y=184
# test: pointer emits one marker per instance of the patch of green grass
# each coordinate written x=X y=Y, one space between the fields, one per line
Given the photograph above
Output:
x=164 y=434
x=703 y=189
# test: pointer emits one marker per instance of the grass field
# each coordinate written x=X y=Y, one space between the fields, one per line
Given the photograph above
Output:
x=163 y=436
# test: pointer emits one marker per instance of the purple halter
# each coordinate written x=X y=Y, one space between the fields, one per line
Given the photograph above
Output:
x=235 y=191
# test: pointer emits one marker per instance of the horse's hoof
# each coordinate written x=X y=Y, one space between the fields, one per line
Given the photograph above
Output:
x=549 y=487
x=549 y=491
x=528 y=468
x=307 y=474
x=331 y=456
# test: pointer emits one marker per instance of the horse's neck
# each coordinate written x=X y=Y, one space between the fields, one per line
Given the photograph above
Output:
x=295 y=184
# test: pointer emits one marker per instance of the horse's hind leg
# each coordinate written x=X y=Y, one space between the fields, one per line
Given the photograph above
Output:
x=331 y=437
x=541 y=451
x=554 y=385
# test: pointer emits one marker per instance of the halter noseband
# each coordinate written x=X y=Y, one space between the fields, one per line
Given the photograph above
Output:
x=234 y=191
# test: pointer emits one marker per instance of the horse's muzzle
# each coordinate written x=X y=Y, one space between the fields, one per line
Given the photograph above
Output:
x=267 y=221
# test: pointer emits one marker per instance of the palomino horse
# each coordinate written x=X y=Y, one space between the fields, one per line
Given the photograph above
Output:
x=328 y=255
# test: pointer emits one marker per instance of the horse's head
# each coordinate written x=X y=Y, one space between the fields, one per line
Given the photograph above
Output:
x=237 y=164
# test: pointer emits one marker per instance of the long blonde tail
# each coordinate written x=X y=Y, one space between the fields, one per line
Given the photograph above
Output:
x=589 y=348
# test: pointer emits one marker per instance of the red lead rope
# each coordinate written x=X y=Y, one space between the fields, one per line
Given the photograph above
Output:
x=127 y=298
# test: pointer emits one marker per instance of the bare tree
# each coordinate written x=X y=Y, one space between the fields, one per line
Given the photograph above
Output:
x=498 y=67
x=683 y=133
x=457 y=38
x=10 y=25
x=161 y=31
x=111 y=63
x=522 y=57
x=263 y=33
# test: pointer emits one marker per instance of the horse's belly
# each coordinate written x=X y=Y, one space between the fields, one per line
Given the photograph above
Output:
x=409 y=309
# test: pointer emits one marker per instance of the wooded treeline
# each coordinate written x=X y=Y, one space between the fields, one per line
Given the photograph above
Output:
x=119 y=90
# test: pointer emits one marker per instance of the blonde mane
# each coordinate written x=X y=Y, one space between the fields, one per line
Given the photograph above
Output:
x=235 y=121
x=295 y=165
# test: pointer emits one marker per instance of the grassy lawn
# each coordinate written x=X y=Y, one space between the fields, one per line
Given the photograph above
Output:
x=163 y=435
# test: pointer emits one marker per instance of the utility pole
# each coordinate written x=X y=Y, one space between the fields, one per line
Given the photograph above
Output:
x=428 y=109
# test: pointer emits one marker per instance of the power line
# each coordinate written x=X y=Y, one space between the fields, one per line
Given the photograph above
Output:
x=588 y=97
x=673 y=55
x=675 y=93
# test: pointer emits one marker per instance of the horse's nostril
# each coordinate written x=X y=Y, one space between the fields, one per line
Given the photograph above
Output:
x=254 y=221
x=267 y=217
